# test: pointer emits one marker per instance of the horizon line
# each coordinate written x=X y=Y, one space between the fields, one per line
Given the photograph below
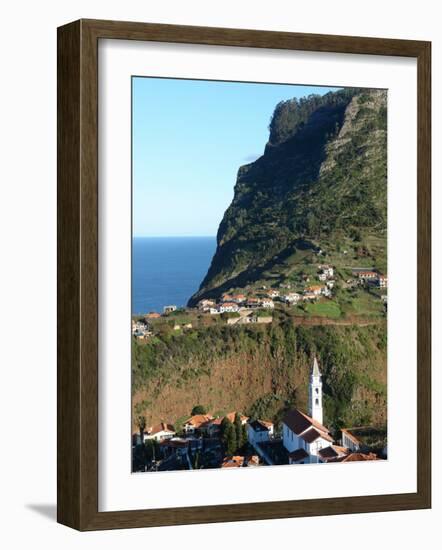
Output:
x=171 y=236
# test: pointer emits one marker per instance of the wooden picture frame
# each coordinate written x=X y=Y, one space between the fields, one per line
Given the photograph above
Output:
x=78 y=274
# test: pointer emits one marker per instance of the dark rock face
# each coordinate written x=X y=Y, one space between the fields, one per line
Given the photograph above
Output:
x=321 y=183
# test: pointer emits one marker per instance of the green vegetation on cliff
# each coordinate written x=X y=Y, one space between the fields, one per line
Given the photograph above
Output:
x=319 y=193
x=263 y=370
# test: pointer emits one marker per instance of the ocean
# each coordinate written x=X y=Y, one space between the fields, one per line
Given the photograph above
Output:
x=168 y=270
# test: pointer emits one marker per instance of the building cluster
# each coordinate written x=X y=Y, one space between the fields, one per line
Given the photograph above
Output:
x=234 y=303
x=371 y=277
x=302 y=438
x=141 y=329
x=244 y=305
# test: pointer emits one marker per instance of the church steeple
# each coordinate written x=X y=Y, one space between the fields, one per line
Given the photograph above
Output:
x=315 y=393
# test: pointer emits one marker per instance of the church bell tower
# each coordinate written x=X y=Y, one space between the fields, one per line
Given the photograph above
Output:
x=315 y=393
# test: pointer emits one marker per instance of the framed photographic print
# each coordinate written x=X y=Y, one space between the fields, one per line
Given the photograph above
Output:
x=243 y=275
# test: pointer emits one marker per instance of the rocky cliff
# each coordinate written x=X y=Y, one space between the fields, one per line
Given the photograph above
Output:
x=320 y=186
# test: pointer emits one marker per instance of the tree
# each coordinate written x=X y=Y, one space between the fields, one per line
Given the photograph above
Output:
x=151 y=448
x=141 y=423
x=244 y=434
x=198 y=409
x=225 y=425
x=238 y=431
x=231 y=442
x=228 y=436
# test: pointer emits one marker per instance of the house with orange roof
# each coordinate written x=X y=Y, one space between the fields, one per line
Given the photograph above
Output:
x=228 y=307
x=367 y=275
x=152 y=315
x=314 y=289
x=253 y=302
x=238 y=298
x=205 y=305
x=197 y=422
x=333 y=453
x=267 y=303
x=382 y=281
x=252 y=460
x=272 y=293
x=160 y=432
x=233 y=462
x=214 y=425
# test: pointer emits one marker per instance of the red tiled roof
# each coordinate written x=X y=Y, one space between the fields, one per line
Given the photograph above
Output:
x=162 y=427
x=198 y=420
x=233 y=462
x=299 y=422
x=253 y=460
x=312 y=435
x=333 y=452
x=357 y=457
x=299 y=454
x=351 y=436
x=231 y=417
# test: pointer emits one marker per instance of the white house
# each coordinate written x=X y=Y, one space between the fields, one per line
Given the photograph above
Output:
x=314 y=289
x=238 y=298
x=367 y=275
x=205 y=305
x=273 y=293
x=326 y=270
x=160 y=432
x=291 y=298
x=169 y=309
x=304 y=435
x=326 y=292
x=197 y=422
x=228 y=307
x=259 y=431
x=267 y=303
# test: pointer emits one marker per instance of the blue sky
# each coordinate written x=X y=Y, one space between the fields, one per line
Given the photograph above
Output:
x=189 y=139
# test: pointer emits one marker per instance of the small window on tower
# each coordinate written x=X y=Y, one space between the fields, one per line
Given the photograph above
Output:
x=317 y=390
x=317 y=402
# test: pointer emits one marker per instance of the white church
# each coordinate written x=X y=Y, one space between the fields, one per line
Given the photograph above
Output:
x=304 y=436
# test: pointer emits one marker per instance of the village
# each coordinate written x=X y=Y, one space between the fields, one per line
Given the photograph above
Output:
x=256 y=305
x=234 y=440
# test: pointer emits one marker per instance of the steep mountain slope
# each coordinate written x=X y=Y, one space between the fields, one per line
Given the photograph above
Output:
x=262 y=371
x=320 y=187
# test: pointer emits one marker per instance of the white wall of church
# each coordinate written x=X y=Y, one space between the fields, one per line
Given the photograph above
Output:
x=290 y=440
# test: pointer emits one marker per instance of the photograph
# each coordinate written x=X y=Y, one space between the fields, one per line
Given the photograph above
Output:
x=259 y=274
